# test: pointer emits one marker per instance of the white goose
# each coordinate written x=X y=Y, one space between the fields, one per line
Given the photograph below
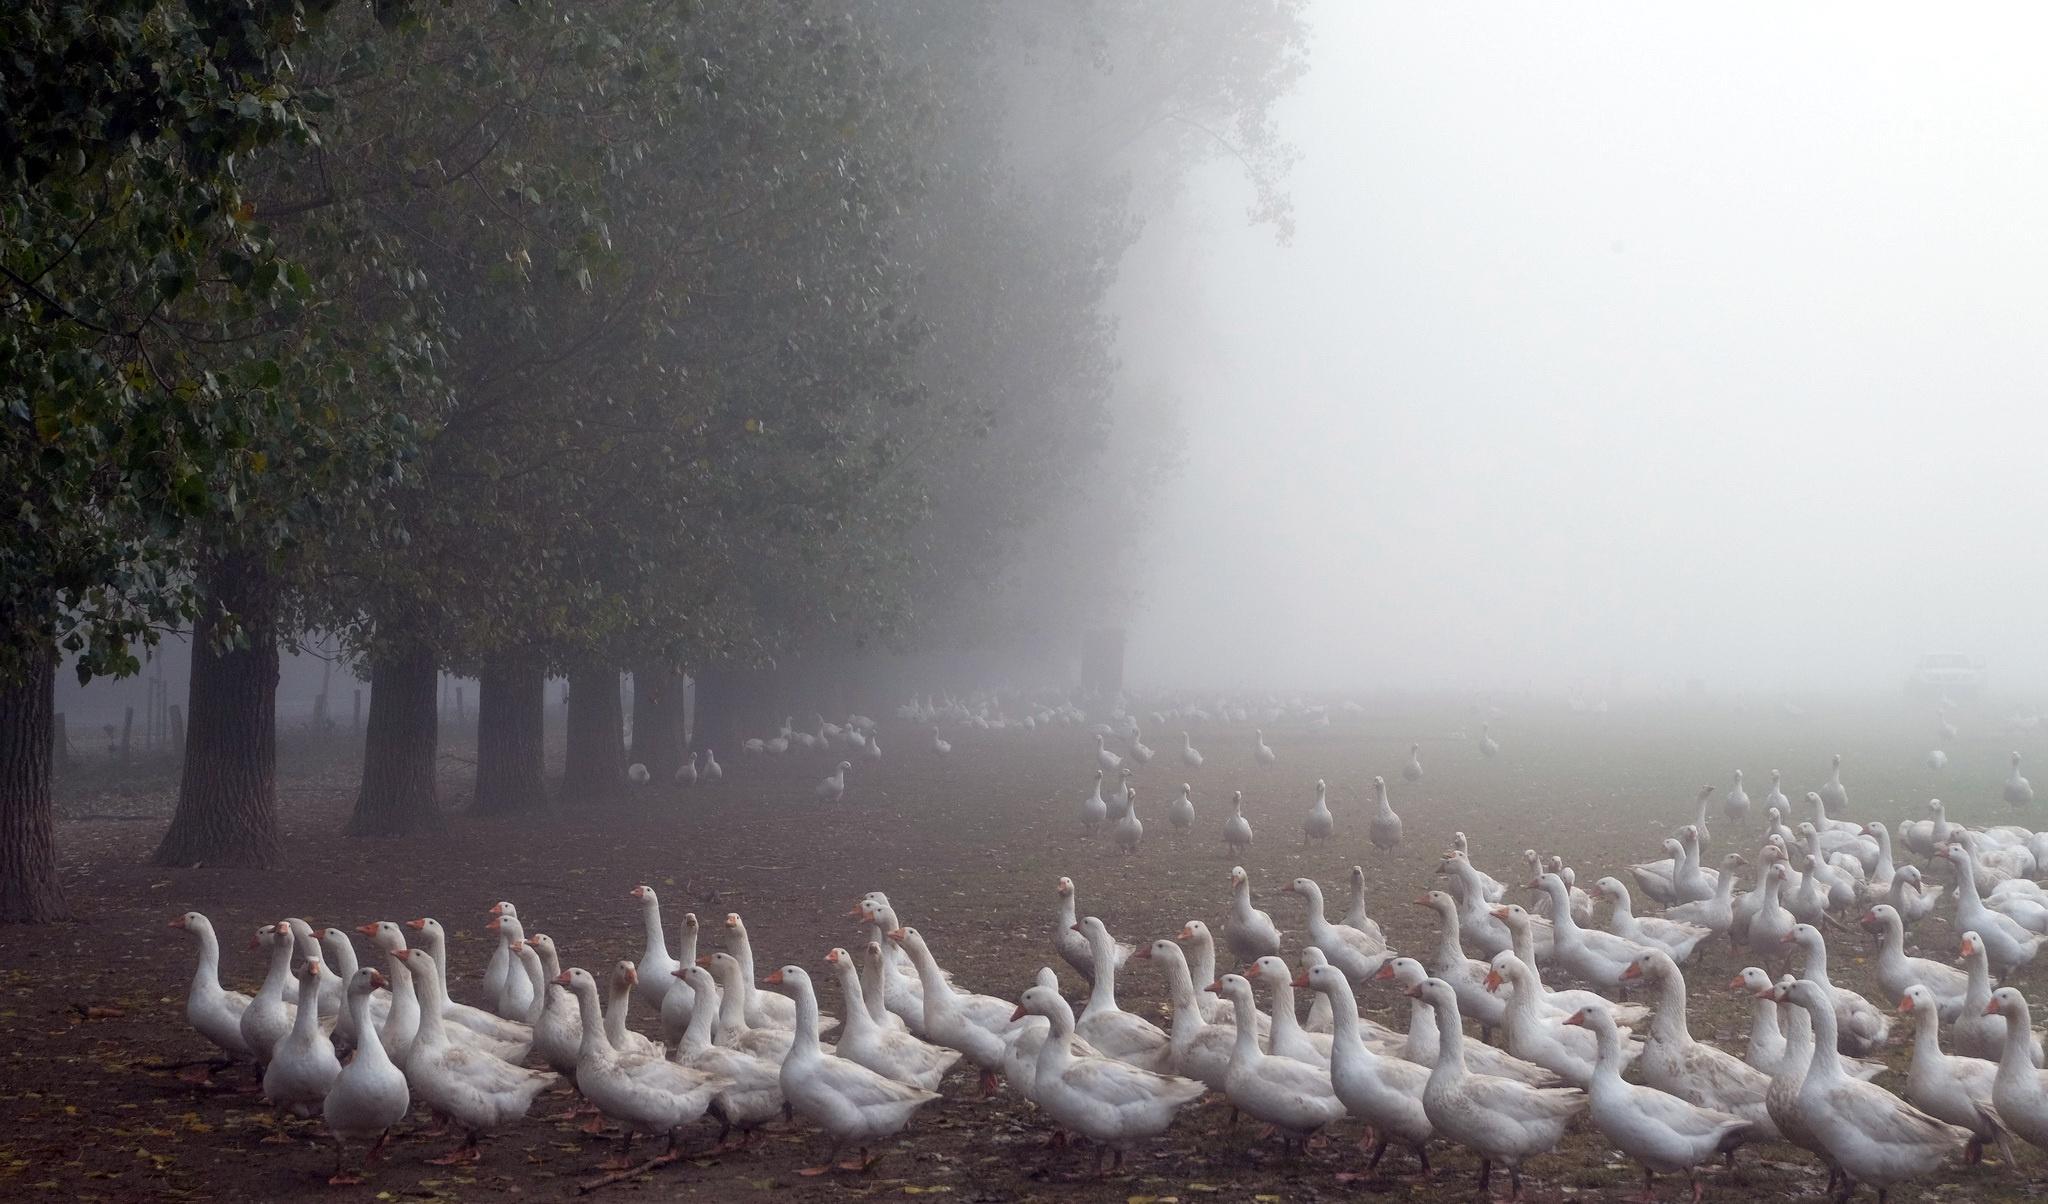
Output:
x=1479 y=921
x=1292 y=1096
x=1189 y=756
x=1094 y=810
x=1661 y=1132
x=1490 y=888
x=1355 y=911
x=475 y=1090
x=1319 y=824
x=214 y=1012
x=897 y=1054
x=1067 y=938
x=755 y=1096
x=1466 y=975
x=1285 y=1038
x=1215 y=1009
x=1262 y=753
x=1110 y=1102
x=1237 y=830
x=558 y=1022
x=1385 y=829
x=1116 y=1033
x=1423 y=1046
x=1873 y=1135
x=763 y=1010
x=2006 y=941
x=302 y=1064
x=1978 y=1033
x=1948 y=1088
x=1674 y=937
x=1946 y=986
x=1598 y=957
x=484 y=1023
x=852 y=1103
x=369 y=1095
x=679 y=1004
x=1832 y=792
x=1499 y=1119
x=731 y=1028
x=1716 y=915
x=1358 y=954
x=1384 y=1092
x=1180 y=812
x=1200 y=1048
x=657 y=968
x=970 y=1023
x=2018 y=791
x=1105 y=758
x=1861 y=1027
x=832 y=787
x=498 y=968
x=2020 y=1090
x=1775 y=798
x=1533 y=1035
x=1735 y=804
x=1488 y=746
x=1693 y=1071
x=1250 y=933
x=267 y=1018
x=1129 y=830
x=1766 y=1050
x=642 y=1091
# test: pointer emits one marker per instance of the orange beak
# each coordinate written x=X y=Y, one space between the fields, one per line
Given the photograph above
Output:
x=1414 y=992
x=856 y=911
x=1905 y=1003
x=774 y=979
x=1019 y=1014
x=1420 y=901
x=1186 y=934
x=1500 y=913
x=704 y=960
x=898 y=934
x=679 y=972
x=1577 y=1019
x=1786 y=939
x=1736 y=983
x=1075 y=927
x=1301 y=979
x=1215 y=988
x=1250 y=973
x=176 y=922
x=1633 y=972
x=419 y=923
x=405 y=955
x=1991 y=1009
x=498 y=909
x=493 y=925
x=633 y=976
x=367 y=929
x=1289 y=889
x=1144 y=954
x=1493 y=980
x=1386 y=972
x=377 y=980
x=562 y=978
x=832 y=957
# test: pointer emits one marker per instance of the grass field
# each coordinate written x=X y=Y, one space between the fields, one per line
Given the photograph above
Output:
x=970 y=848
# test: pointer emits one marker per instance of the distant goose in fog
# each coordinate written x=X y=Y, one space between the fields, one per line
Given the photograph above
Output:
x=713 y=771
x=1776 y=798
x=1140 y=752
x=1120 y=800
x=687 y=775
x=1094 y=809
x=1237 y=830
x=1181 y=811
x=1188 y=756
x=637 y=774
x=1412 y=771
x=1320 y=824
x=1832 y=792
x=1488 y=746
x=939 y=744
x=1105 y=758
x=1937 y=760
x=1385 y=831
x=2018 y=791
x=833 y=788
x=1262 y=753
x=1735 y=804
x=1944 y=730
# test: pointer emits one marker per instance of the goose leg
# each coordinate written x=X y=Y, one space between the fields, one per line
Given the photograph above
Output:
x=831 y=1155
x=1515 y=1182
x=1485 y=1174
x=338 y=1178
x=624 y=1158
x=1649 y=1195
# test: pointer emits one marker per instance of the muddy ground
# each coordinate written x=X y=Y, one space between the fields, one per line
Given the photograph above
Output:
x=970 y=848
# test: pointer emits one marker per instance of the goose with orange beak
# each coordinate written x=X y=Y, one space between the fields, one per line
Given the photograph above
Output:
x=853 y=1105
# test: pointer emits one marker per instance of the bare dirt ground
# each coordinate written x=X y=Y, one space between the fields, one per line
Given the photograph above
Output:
x=969 y=847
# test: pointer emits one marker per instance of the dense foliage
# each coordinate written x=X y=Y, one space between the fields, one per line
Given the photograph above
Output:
x=588 y=334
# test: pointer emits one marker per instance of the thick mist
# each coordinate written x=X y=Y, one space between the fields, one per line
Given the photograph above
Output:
x=1614 y=347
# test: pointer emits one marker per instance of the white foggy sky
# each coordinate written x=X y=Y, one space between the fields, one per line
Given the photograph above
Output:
x=1613 y=339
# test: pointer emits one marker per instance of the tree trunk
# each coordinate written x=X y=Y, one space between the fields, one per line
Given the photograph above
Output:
x=397 y=793
x=511 y=710
x=29 y=891
x=595 y=765
x=227 y=794
x=658 y=721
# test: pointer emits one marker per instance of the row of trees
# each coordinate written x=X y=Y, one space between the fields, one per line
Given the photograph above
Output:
x=562 y=337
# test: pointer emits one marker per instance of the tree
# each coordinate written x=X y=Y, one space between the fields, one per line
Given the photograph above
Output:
x=125 y=247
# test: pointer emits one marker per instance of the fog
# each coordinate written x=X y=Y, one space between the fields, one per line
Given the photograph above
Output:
x=1615 y=346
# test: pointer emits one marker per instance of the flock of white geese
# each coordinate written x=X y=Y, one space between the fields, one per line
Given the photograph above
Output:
x=745 y=1050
